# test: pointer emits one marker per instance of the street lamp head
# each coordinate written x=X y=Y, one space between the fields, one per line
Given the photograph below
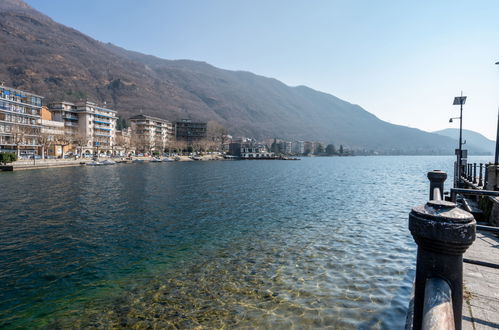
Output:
x=450 y=120
x=497 y=62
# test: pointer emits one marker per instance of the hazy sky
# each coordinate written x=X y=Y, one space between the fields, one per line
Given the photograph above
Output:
x=403 y=61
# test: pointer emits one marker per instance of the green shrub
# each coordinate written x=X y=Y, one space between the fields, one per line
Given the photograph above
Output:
x=7 y=157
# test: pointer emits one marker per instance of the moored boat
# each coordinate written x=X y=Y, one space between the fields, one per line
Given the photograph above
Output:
x=94 y=163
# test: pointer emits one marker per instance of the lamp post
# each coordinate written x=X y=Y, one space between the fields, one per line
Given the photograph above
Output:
x=496 y=159
x=459 y=100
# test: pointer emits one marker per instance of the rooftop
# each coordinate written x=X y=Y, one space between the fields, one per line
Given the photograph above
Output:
x=12 y=89
x=142 y=117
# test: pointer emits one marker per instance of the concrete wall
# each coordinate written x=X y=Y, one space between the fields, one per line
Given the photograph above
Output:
x=45 y=114
x=493 y=177
x=494 y=214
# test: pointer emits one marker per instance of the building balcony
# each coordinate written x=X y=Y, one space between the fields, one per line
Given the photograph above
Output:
x=18 y=100
x=102 y=122
x=104 y=115
x=8 y=110
x=22 y=124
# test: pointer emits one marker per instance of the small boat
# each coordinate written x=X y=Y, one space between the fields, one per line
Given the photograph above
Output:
x=196 y=158
x=108 y=162
x=138 y=161
x=155 y=160
x=94 y=163
x=167 y=159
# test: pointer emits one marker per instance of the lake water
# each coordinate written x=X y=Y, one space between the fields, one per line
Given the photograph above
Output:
x=269 y=244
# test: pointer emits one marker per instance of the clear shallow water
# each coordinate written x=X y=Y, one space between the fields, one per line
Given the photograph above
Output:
x=270 y=244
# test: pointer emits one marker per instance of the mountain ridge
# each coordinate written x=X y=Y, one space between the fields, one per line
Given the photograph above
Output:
x=474 y=140
x=62 y=63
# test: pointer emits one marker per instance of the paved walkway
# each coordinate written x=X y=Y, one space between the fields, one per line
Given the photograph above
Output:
x=481 y=303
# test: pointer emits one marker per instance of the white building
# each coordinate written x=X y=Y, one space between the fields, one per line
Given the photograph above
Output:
x=151 y=133
x=19 y=121
x=299 y=147
x=93 y=127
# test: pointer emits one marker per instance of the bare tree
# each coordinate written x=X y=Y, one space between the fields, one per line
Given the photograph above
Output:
x=63 y=140
x=141 y=143
x=123 y=142
x=179 y=145
x=81 y=141
x=158 y=144
x=217 y=133
x=169 y=145
x=21 y=135
x=46 y=140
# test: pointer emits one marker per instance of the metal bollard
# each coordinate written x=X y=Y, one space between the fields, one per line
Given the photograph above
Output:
x=474 y=173
x=486 y=176
x=469 y=172
x=443 y=233
x=480 y=181
x=437 y=179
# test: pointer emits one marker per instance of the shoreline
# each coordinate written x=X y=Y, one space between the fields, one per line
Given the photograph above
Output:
x=25 y=165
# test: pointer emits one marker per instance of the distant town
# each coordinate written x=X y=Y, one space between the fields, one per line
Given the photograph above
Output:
x=31 y=129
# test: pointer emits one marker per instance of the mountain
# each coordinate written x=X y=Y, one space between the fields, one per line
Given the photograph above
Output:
x=475 y=142
x=60 y=63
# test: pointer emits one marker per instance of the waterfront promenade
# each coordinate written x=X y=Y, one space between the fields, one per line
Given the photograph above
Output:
x=54 y=163
x=481 y=284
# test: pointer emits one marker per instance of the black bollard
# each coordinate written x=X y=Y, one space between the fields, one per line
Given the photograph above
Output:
x=443 y=233
x=486 y=177
x=474 y=173
x=480 y=181
x=437 y=179
x=469 y=172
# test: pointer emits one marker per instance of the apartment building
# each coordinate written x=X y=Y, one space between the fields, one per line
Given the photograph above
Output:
x=309 y=147
x=19 y=116
x=151 y=133
x=93 y=127
x=189 y=131
x=299 y=147
x=66 y=113
x=285 y=147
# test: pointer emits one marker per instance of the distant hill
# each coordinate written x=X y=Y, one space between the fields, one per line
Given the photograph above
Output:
x=476 y=143
x=58 y=62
